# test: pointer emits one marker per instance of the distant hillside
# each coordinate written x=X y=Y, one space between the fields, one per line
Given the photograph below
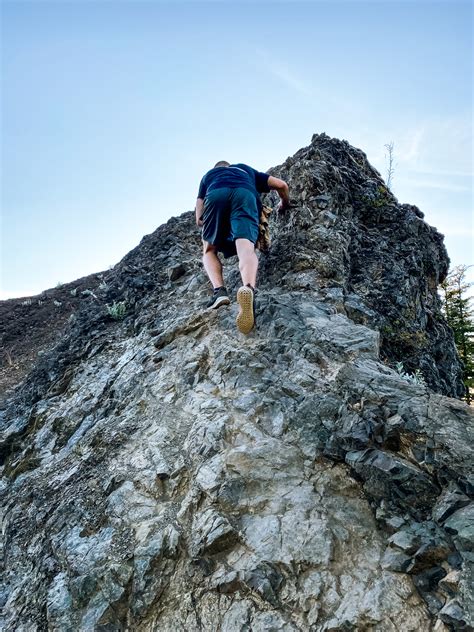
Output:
x=32 y=324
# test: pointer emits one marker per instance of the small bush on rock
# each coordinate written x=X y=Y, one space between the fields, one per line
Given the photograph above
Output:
x=117 y=310
x=415 y=378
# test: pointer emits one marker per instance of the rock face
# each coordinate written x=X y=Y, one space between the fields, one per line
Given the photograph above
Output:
x=164 y=472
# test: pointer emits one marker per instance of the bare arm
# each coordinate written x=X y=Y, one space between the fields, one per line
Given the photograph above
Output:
x=281 y=188
x=199 y=211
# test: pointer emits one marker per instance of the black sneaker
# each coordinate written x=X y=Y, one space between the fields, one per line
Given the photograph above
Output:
x=246 y=316
x=220 y=297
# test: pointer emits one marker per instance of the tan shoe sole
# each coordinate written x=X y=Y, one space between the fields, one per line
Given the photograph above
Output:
x=245 y=318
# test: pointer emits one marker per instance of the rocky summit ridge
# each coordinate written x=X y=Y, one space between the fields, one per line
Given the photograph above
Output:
x=163 y=472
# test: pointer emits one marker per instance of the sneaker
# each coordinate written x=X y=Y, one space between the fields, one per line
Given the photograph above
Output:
x=246 y=316
x=220 y=297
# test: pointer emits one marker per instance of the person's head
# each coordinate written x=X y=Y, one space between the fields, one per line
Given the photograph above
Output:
x=222 y=163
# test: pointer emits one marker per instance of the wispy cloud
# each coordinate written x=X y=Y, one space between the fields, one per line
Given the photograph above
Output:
x=413 y=150
x=434 y=153
x=430 y=184
x=438 y=142
x=444 y=172
x=284 y=72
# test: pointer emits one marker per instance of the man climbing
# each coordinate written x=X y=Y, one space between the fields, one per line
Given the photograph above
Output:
x=228 y=208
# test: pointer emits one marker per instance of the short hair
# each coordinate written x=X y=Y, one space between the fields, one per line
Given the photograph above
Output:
x=222 y=163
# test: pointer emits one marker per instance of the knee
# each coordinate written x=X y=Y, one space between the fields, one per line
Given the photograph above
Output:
x=208 y=249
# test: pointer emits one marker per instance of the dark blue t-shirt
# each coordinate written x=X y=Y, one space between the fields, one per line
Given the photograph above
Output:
x=235 y=176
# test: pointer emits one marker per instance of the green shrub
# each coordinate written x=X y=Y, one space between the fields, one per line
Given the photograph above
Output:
x=117 y=310
x=414 y=378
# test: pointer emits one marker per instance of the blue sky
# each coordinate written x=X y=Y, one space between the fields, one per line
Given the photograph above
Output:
x=112 y=111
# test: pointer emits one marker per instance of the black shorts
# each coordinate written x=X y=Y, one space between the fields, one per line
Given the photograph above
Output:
x=230 y=214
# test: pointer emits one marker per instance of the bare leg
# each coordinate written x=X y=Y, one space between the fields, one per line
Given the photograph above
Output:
x=212 y=265
x=248 y=261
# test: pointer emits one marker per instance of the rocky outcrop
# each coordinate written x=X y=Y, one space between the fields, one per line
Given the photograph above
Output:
x=378 y=260
x=164 y=472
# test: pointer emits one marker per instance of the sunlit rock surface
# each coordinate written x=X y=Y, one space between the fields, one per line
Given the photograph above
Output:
x=165 y=472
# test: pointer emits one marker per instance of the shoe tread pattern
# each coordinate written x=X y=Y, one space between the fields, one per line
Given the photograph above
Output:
x=245 y=318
